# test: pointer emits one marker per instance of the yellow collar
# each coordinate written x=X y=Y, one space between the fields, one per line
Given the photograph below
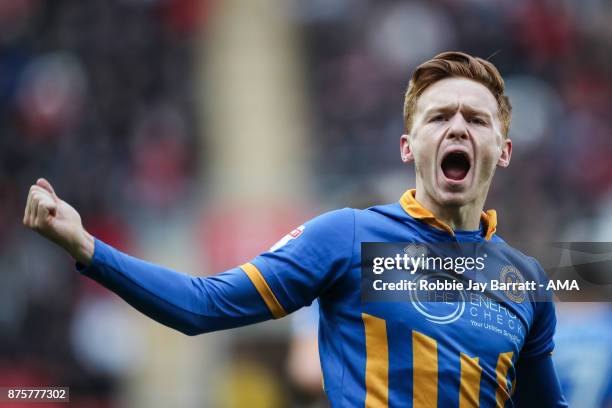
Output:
x=417 y=211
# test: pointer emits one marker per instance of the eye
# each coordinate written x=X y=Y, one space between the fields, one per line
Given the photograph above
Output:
x=437 y=118
x=477 y=121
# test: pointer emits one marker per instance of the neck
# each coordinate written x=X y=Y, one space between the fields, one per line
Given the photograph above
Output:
x=464 y=217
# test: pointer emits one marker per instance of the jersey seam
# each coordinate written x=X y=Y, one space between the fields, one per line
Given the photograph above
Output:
x=281 y=285
x=270 y=303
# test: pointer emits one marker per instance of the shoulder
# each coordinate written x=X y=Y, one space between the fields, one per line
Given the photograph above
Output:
x=524 y=267
x=381 y=214
x=517 y=255
x=328 y=229
x=496 y=239
x=519 y=258
x=391 y=211
x=331 y=225
x=391 y=222
x=336 y=218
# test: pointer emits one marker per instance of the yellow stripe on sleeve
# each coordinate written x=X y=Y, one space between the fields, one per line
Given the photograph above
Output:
x=264 y=290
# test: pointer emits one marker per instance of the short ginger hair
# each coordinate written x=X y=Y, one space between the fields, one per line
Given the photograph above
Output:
x=457 y=64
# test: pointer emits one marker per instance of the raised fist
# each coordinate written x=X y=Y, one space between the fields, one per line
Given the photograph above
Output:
x=57 y=221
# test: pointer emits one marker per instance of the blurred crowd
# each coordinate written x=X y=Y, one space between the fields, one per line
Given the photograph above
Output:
x=98 y=96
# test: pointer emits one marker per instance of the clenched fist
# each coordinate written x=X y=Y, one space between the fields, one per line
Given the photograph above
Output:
x=57 y=221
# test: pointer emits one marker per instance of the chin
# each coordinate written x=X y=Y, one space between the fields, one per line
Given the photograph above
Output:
x=452 y=198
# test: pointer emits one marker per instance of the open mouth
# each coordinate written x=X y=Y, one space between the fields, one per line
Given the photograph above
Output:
x=456 y=165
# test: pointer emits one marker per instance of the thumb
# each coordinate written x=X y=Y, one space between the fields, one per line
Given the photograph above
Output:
x=42 y=182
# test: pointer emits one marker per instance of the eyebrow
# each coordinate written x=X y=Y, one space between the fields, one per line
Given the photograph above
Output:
x=452 y=108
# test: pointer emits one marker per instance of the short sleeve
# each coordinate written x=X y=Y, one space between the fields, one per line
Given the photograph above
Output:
x=305 y=263
x=539 y=340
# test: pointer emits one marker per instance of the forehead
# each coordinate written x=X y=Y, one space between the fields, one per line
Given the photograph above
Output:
x=457 y=91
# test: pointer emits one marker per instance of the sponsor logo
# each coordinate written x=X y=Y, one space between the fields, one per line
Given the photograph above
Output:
x=292 y=235
x=297 y=232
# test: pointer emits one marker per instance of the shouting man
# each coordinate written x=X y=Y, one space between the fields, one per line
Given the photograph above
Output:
x=377 y=354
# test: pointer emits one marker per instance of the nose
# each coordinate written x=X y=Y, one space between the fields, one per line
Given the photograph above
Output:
x=457 y=127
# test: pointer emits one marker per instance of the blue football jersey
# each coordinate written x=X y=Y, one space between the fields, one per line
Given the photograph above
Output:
x=383 y=354
x=480 y=352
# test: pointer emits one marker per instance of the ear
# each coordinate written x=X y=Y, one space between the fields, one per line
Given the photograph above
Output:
x=506 y=153
x=405 y=149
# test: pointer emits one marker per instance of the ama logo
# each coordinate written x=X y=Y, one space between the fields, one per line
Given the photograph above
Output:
x=292 y=235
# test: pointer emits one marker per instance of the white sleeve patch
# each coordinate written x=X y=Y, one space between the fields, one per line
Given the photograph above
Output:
x=292 y=235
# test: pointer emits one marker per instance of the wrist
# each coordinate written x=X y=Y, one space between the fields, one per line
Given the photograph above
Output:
x=83 y=250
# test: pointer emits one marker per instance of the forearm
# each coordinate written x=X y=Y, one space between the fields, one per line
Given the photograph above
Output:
x=189 y=304
x=82 y=250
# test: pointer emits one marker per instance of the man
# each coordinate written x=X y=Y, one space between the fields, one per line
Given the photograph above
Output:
x=382 y=353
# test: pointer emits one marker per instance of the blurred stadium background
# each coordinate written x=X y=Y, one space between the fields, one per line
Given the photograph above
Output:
x=195 y=133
